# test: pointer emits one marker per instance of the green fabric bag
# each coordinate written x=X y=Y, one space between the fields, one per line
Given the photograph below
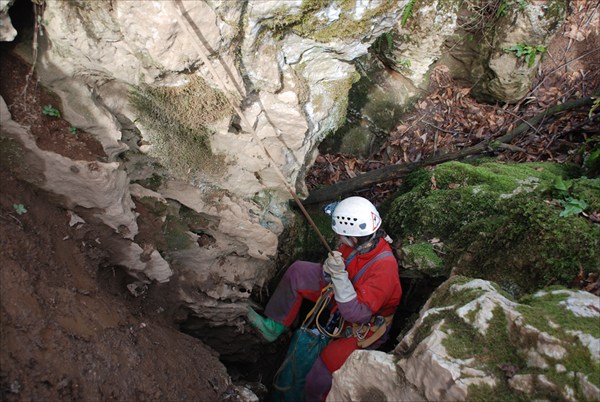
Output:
x=305 y=347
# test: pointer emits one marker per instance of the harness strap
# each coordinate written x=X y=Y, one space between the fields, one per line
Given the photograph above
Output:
x=378 y=329
x=367 y=265
x=327 y=295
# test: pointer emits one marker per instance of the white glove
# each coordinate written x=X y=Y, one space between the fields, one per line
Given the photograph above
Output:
x=342 y=287
x=334 y=263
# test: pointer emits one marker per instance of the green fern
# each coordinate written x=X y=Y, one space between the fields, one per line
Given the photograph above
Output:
x=407 y=12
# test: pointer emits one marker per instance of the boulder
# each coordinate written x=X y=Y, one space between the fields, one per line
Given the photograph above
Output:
x=503 y=222
x=471 y=341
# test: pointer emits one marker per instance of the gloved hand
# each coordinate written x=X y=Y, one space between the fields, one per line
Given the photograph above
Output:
x=334 y=264
x=342 y=287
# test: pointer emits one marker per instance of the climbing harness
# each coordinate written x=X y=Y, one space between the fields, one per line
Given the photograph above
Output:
x=335 y=326
x=376 y=327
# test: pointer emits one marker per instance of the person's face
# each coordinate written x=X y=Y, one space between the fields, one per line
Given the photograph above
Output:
x=348 y=240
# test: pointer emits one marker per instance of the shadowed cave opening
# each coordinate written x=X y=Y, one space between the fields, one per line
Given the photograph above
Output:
x=252 y=362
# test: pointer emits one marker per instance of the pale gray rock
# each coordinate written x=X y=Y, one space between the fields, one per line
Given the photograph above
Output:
x=508 y=77
x=7 y=32
x=97 y=186
x=418 y=44
x=430 y=364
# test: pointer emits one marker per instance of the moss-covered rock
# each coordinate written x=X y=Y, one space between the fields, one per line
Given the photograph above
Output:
x=423 y=257
x=315 y=20
x=473 y=342
x=502 y=222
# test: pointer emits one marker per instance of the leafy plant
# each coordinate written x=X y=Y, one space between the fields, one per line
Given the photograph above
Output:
x=562 y=186
x=527 y=51
x=503 y=9
x=594 y=107
x=73 y=130
x=572 y=206
x=20 y=209
x=506 y=4
x=407 y=12
x=387 y=40
x=404 y=63
x=51 y=111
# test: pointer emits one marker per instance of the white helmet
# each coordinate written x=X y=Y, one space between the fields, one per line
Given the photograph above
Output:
x=354 y=216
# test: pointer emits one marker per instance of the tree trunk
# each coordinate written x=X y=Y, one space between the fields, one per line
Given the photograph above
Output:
x=394 y=172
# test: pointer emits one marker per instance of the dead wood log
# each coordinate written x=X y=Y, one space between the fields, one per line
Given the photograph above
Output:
x=394 y=172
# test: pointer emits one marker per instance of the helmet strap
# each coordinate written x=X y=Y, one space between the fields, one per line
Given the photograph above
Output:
x=368 y=245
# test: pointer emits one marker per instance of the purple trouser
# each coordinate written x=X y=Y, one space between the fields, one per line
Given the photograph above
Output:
x=318 y=382
x=302 y=280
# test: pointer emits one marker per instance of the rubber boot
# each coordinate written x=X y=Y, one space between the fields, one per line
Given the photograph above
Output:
x=269 y=329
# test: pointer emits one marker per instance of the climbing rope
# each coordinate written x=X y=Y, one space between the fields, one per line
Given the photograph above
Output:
x=180 y=12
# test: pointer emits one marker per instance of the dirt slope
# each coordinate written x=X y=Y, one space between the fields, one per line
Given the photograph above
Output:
x=70 y=329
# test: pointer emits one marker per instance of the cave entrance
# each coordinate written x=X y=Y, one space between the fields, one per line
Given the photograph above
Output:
x=22 y=15
x=253 y=363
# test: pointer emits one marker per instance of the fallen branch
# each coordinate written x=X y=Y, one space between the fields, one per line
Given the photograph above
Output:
x=394 y=172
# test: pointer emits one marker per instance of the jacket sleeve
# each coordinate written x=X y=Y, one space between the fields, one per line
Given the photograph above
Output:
x=354 y=311
x=373 y=291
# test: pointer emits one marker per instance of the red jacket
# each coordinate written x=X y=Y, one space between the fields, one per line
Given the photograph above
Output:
x=379 y=287
x=378 y=292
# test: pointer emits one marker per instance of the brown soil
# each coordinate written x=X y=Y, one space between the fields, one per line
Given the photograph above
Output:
x=26 y=101
x=70 y=329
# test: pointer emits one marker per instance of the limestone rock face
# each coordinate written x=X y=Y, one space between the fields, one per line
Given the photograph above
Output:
x=435 y=31
x=470 y=338
x=7 y=31
x=507 y=77
x=99 y=187
x=221 y=217
x=418 y=39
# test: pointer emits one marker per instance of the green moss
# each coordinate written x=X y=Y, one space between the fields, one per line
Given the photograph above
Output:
x=153 y=182
x=496 y=223
x=178 y=120
x=486 y=393
x=540 y=309
x=545 y=312
x=444 y=296
x=423 y=256
x=587 y=190
x=527 y=247
x=490 y=351
x=308 y=24
x=355 y=141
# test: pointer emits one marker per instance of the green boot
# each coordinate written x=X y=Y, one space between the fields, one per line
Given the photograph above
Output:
x=268 y=328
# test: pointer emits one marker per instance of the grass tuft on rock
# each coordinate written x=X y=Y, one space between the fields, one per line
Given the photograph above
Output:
x=178 y=121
